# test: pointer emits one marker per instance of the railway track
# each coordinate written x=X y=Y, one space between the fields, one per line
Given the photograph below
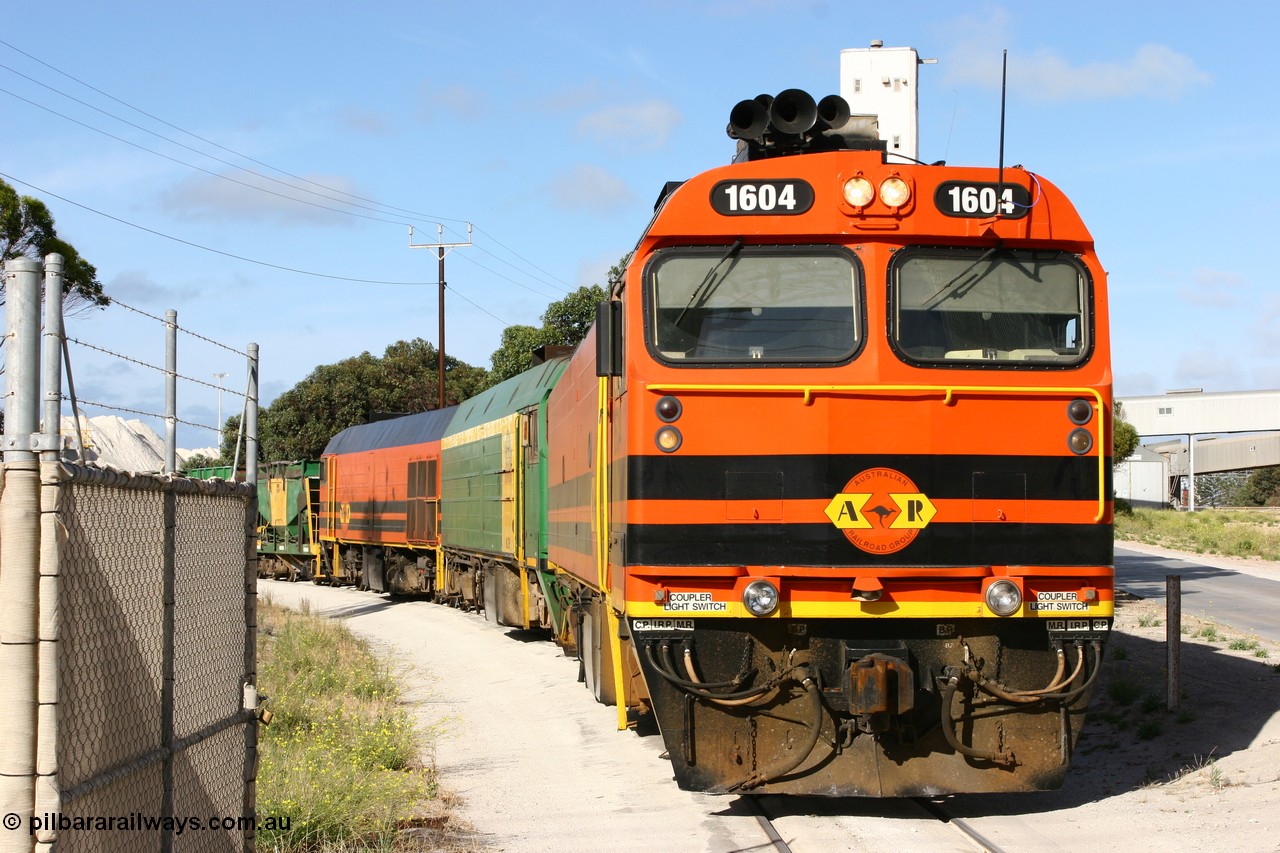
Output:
x=920 y=823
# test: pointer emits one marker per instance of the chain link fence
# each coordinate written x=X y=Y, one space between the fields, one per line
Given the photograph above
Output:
x=127 y=638
x=154 y=650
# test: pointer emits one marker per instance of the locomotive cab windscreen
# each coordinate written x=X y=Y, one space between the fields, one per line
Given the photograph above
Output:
x=755 y=305
x=1013 y=308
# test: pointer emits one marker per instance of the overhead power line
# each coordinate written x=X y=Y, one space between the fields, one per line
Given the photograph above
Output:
x=379 y=207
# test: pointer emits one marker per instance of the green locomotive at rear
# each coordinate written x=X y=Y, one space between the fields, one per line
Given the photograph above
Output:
x=288 y=501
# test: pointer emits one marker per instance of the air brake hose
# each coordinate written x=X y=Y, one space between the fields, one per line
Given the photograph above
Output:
x=667 y=670
x=758 y=778
x=1003 y=758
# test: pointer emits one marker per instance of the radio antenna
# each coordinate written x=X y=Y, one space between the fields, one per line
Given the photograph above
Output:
x=1004 y=77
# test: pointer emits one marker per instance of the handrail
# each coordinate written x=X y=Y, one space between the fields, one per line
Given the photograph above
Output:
x=948 y=391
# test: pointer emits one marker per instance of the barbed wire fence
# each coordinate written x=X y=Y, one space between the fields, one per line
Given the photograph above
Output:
x=128 y=620
x=246 y=438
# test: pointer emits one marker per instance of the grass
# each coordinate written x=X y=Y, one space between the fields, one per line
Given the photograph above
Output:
x=1231 y=533
x=339 y=761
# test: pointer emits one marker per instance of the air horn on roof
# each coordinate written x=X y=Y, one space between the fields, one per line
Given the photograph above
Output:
x=792 y=123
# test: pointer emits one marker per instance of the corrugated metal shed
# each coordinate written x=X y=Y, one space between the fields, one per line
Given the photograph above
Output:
x=1237 y=453
x=1198 y=413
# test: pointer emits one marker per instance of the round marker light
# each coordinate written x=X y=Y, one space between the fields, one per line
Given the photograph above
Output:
x=1004 y=598
x=895 y=192
x=1080 y=441
x=858 y=192
x=760 y=597
x=1080 y=412
x=668 y=409
x=668 y=439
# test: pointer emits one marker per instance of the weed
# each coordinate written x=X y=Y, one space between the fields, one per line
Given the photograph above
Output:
x=1242 y=645
x=1261 y=653
x=1122 y=692
x=1149 y=621
x=1239 y=533
x=1151 y=703
x=1148 y=730
x=341 y=757
x=1210 y=633
x=1186 y=716
x=1215 y=776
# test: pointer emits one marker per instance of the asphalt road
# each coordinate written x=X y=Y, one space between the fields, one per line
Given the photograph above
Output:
x=1244 y=601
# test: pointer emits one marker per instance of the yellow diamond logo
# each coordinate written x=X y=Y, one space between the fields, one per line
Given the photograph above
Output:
x=845 y=512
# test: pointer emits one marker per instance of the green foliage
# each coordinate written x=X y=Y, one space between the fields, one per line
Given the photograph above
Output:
x=1262 y=488
x=27 y=230
x=300 y=422
x=515 y=354
x=202 y=460
x=1124 y=436
x=339 y=760
x=1235 y=533
x=564 y=323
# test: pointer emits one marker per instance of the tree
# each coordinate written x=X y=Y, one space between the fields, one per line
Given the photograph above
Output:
x=300 y=422
x=1221 y=488
x=564 y=323
x=1262 y=488
x=1124 y=436
x=27 y=231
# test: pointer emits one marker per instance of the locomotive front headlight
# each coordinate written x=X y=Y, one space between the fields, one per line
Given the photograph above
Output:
x=1004 y=598
x=895 y=192
x=668 y=439
x=1080 y=441
x=858 y=191
x=760 y=597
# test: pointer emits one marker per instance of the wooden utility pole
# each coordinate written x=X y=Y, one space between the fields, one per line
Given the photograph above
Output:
x=441 y=248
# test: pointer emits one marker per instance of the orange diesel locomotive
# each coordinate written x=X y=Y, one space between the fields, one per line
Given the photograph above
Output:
x=829 y=483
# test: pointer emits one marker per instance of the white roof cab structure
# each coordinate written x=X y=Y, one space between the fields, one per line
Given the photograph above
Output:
x=881 y=82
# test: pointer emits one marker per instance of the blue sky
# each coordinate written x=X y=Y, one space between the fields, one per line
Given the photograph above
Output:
x=551 y=127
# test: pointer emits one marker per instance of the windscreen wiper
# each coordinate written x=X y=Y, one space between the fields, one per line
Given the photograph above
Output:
x=932 y=302
x=710 y=282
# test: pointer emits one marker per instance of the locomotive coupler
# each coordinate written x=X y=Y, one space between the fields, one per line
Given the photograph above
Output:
x=879 y=687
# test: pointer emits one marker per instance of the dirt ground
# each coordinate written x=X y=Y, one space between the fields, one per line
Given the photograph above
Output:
x=1204 y=776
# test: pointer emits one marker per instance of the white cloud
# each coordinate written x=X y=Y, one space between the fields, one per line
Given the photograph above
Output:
x=454 y=104
x=635 y=127
x=592 y=189
x=1151 y=71
x=1211 y=288
x=1210 y=369
x=1266 y=329
x=245 y=196
x=363 y=121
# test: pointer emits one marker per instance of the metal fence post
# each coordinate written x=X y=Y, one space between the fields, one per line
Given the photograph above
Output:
x=170 y=391
x=19 y=546
x=1173 y=638
x=251 y=419
x=48 y=798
